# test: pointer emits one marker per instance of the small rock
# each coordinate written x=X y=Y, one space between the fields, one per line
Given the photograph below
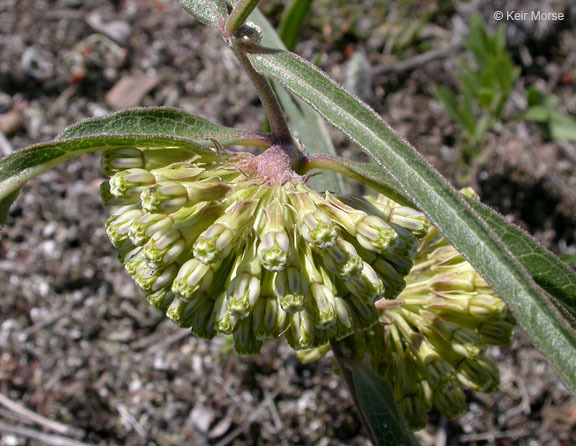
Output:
x=130 y=90
x=35 y=63
x=117 y=30
x=202 y=417
x=11 y=122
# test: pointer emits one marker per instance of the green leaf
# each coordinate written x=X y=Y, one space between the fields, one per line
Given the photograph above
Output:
x=537 y=113
x=310 y=126
x=548 y=271
x=150 y=128
x=291 y=23
x=210 y=12
x=445 y=207
x=562 y=127
x=238 y=16
x=380 y=409
x=5 y=204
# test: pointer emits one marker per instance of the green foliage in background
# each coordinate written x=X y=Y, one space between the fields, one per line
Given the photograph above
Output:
x=484 y=85
x=544 y=108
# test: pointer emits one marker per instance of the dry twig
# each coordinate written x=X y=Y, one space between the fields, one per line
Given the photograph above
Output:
x=27 y=414
x=46 y=439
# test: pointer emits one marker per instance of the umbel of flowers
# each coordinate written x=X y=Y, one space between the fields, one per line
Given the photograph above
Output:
x=238 y=244
x=430 y=342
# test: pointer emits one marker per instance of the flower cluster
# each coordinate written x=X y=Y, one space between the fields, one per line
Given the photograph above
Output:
x=240 y=245
x=430 y=343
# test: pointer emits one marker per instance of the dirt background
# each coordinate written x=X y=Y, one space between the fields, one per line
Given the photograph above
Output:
x=80 y=345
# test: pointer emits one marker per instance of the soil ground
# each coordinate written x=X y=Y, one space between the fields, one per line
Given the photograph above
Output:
x=79 y=344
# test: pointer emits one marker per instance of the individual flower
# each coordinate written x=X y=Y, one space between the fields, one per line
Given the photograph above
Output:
x=238 y=244
x=430 y=342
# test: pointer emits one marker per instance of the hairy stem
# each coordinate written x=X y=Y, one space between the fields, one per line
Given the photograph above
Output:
x=239 y=14
x=338 y=165
x=278 y=125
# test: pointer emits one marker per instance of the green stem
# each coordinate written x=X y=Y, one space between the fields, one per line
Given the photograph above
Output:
x=274 y=112
x=335 y=164
x=239 y=14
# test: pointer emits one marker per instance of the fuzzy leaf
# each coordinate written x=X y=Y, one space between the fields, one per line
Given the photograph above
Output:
x=210 y=12
x=380 y=409
x=150 y=128
x=550 y=331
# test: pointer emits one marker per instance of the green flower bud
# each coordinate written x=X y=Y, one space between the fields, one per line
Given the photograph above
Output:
x=313 y=354
x=461 y=340
x=150 y=278
x=315 y=226
x=479 y=375
x=244 y=288
x=183 y=171
x=302 y=334
x=364 y=313
x=447 y=394
x=414 y=397
x=322 y=290
x=119 y=224
x=466 y=281
x=269 y=319
x=291 y=288
x=224 y=322
x=343 y=260
x=368 y=286
x=147 y=225
x=344 y=325
x=161 y=299
x=245 y=341
x=274 y=247
x=164 y=247
x=410 y=219
x=110 y=200
x=497 y=331
x=405 y=245
x=392 y=280
x=373 y=233
x=219 y=239
x=166 y=196
x=194 y=276
x=202 y=318
x=180 y=311
x=130 y=183
x=117 y=160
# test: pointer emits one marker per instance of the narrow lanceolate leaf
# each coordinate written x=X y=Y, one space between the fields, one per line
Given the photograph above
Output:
x=291 y=22
x=379 y=407
x=5 y=204
x=146 y=128
x=548 y=271
x=238 y=16
x=310 y=126
x=210 y=12
x=445 y=207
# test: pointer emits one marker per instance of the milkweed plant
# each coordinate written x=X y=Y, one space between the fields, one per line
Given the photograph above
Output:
x=406 y=285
